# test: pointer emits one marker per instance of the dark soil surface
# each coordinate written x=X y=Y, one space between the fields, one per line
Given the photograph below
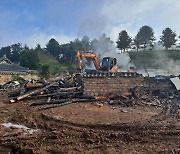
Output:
x=86 y=128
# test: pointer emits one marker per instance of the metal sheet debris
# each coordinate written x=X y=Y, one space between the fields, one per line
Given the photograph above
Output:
x=176 y=82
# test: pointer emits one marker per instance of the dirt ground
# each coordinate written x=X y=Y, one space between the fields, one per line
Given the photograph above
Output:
x=86 y=128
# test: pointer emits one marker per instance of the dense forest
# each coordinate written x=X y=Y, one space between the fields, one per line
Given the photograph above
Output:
x=56 y=57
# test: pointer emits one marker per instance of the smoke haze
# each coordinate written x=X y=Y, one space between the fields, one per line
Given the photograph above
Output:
x=105 y=49
x=164 y=65
x=169 y=65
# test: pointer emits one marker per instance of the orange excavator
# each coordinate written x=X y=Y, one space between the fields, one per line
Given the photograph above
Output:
x=108 y=66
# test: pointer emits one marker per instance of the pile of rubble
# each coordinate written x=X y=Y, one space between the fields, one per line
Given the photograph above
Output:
x=56 y=92
x=52 y=90
x=70 y=89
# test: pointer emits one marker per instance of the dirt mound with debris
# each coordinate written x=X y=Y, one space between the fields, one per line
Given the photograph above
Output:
x=86 y=128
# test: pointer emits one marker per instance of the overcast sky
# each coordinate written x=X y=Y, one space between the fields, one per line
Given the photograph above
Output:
x=36 y=21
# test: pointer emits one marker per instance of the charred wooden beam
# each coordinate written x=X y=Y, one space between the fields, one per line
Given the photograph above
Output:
x=49 y=103
x=70 y=89
x=33 y=92
x=34 y=85
x=75 y=100
x=55 y=105
x=61 y=94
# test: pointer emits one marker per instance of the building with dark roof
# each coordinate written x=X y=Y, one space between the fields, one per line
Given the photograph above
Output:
x=8 y=67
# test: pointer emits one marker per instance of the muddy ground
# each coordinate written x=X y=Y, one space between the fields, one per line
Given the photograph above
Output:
x=86 y=128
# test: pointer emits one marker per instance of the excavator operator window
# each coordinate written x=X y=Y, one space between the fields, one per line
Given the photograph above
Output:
x=115 y=61
x=111 y=63
x=105 y=64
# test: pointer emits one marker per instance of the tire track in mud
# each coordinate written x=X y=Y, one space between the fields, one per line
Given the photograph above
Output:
x=58 y=136
x=119 y=133
x=137 y=127
x=110 y=135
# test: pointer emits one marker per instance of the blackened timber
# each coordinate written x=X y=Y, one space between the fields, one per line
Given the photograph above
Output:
x=33 y=92
x=70 y=89
x=55 y=105
x=61 y=94
x=62 y=102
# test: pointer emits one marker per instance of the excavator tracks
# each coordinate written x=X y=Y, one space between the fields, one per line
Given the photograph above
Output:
x=99 y=74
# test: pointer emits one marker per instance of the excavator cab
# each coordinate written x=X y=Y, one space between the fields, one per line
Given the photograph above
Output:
x=108 y=63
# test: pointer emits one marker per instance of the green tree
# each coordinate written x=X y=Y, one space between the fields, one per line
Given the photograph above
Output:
x=5 y=51
x=12 y=52
x=29 y=58
x=94 y=44
x=86 y=43
x=124 y=41
x=168 y=38
x=38 y=47
x=104 y=44
x=136 y=42
x=16 y=50
x=145 y=37
x=67 y=52
x=53 y=47
x=45 y=71
x=77 y=45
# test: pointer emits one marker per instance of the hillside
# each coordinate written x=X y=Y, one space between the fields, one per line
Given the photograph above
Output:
x=158 y=59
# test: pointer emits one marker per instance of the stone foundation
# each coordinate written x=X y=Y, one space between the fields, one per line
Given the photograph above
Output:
x=106 y=86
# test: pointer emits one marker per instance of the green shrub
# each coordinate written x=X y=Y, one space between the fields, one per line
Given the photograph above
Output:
x=16 y=77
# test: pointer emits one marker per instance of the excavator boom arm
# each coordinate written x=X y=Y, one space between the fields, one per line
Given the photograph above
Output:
x=90 y=55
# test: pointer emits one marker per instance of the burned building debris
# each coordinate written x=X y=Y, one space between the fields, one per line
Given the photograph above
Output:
x=90 y=110
x=124 y=88
x=103 y=83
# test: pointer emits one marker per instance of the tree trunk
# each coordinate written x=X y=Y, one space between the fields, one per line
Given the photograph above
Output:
x=137 y=50
x=144 y=46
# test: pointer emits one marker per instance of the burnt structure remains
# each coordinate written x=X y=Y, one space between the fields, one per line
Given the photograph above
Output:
x=125 y=84
x=8 y=67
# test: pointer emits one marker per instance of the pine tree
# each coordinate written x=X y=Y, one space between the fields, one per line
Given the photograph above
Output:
x=168 y=38
x=124 y=41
